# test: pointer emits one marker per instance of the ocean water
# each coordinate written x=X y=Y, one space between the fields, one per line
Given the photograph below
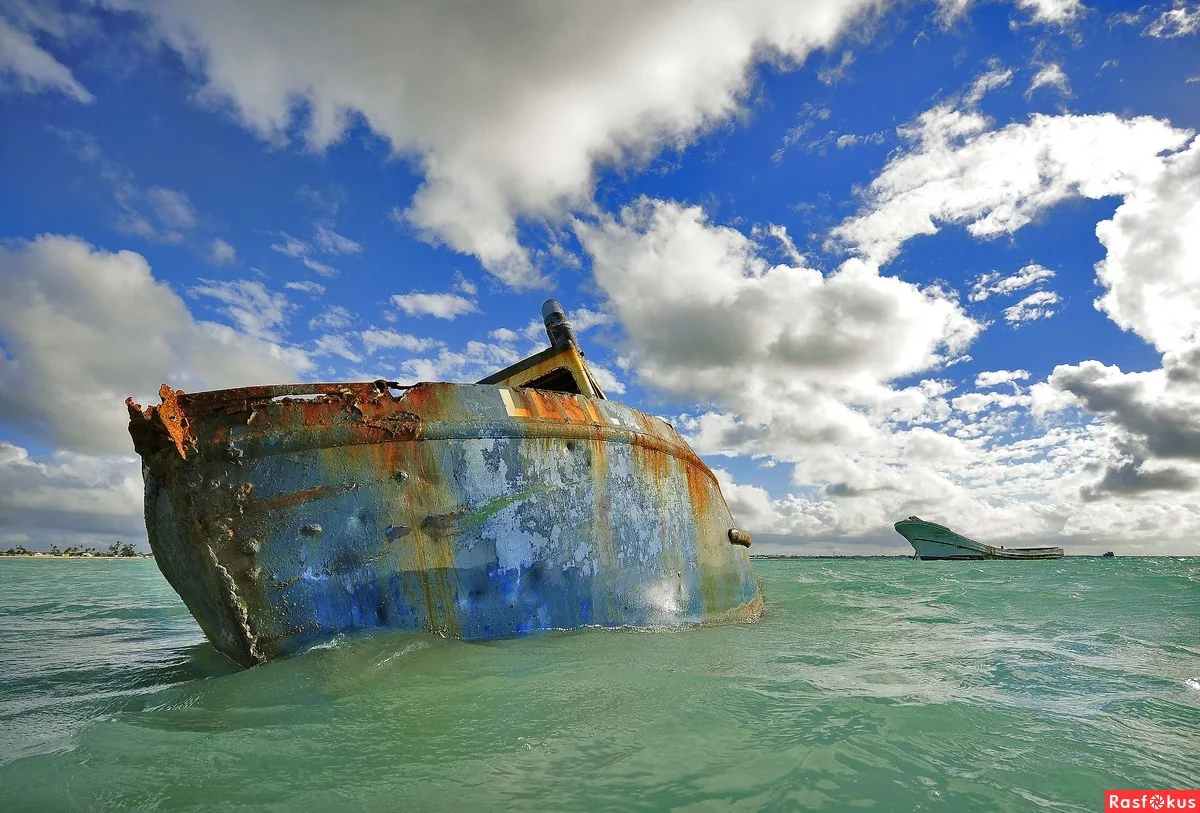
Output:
x=885 y=685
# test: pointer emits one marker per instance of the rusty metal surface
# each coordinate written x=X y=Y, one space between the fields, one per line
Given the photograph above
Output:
x=284 y=516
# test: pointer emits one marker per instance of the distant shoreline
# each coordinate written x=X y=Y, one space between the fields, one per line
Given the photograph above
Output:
x=64 y=556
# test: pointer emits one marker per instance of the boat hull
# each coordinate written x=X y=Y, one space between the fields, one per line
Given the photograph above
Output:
x=464 y=510
x=933 y=542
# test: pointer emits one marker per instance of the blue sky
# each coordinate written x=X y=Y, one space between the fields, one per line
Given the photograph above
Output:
x=873 y=259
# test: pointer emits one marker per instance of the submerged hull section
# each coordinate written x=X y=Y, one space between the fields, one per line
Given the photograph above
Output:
x=466 y=510
x=933 y=541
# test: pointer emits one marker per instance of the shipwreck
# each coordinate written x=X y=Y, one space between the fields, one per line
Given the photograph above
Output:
x=932 y=541
x=286 y=515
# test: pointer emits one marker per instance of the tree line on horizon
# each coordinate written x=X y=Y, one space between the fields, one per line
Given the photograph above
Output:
x=117 y=549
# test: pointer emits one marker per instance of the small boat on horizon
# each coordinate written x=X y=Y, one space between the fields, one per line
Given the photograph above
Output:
x=285 y=515
x=932 y=541
x=1108 y=555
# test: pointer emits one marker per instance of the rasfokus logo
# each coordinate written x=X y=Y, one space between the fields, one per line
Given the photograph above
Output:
x=1152 y=800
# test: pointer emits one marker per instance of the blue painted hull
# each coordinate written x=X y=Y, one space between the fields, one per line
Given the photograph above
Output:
x=282 y=523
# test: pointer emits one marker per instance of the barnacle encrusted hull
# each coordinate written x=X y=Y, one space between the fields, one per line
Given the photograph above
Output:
x=286 y=515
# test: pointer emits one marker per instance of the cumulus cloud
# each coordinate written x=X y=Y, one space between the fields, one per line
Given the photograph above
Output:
x=1036 y=306
x=958 y=171
x=440 y=306
x=706 y=314
x=1152 y=255
x=563 y=89
x=1157 y=408
x=82 y=328
x=67 y=498
x=993 y=283
x=30 y=68
x=782 y=360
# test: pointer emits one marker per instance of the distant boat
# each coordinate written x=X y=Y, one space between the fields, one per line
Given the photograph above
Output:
x=1109 y=555
x=933 y=541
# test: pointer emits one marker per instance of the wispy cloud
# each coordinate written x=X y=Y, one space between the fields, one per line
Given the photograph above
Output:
x=1038 y=305
x=993 y=283
x=440 y=306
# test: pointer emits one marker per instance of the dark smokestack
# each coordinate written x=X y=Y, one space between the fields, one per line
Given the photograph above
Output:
x=557 y=326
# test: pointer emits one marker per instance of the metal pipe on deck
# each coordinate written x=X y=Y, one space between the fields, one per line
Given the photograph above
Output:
x=558 y=329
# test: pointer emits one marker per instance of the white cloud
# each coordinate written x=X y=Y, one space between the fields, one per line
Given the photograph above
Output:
x=332 y=344
x=975 y=402
x=1155 y=442
x=997 y=77
x=83 y=328
x=992 y=283
x=996 y=377
x=566 y=87
x=464 y=285
x=790 y=353
x=809 y=115
x=32 y=68
x=315 y=289
x=334 y=317
x=66 y=498
x=258 y=312
x=327 y=271
x=832 y=74
x=1051 y=12
x=850 y=140
x=503 y=334
x=1179 y=21
x=475 y=361
x=1038 y=305
x=441 y=306
x=331 y=242
x=607 y=380
x=222 y=253
x=374 y=340
x=1051 y=76
x=172 y=207
x=325 y=239
x=996 y=181
x=291 y=246
x=1153 y=253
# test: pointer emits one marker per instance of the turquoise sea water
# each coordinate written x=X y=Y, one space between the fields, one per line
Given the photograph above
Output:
x=883 y=685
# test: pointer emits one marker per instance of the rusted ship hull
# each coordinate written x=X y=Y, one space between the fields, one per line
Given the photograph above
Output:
x=284 y=516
